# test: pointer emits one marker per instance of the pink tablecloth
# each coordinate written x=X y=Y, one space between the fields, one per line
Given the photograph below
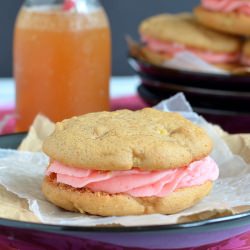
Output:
x=7 y=114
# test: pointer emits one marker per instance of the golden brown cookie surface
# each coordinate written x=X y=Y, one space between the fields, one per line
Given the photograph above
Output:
x=184 y=29
x=231 y=23
x=99 y=203
x=121 y=140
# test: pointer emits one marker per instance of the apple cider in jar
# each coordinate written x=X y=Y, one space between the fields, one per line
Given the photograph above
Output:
x=61 y=60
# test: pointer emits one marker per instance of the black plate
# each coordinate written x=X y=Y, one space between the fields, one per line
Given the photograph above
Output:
x=232 y=121
x=11 y=141
x=21 y=234
x=162 y=74
x=201 y=97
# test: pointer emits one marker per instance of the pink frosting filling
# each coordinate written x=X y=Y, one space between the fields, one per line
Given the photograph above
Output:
x=173 y=48
x=135 y=182
x=227 y=6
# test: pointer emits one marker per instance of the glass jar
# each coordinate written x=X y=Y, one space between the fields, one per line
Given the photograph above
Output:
x=61 y=59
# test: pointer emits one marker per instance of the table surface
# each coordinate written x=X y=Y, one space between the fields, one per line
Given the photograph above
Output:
x=120 y=86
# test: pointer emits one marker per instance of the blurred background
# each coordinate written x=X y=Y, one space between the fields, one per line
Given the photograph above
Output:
x=124 y=17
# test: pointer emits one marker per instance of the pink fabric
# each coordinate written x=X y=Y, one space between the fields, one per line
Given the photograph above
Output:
x=129 y=102
x=69 y=4
x=135 y=182
x=172 y=49
x=7 y=120
x=227 y=6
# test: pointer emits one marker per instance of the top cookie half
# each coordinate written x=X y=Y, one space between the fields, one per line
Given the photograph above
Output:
x=184 y=29
x=121 y=140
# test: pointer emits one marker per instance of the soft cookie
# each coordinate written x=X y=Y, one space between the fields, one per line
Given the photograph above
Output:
x=229 y=16
x=166 y=35
x=128 y=163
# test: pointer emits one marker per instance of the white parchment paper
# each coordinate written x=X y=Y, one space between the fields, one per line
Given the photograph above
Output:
x=22 y=174
x=188 y=61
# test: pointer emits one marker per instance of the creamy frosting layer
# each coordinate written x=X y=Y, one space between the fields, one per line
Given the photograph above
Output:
x=239 y=6
x=135 y=182
x=170 y=48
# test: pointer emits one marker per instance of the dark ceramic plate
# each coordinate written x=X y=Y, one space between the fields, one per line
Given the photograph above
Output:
x=230 y=113
x=203 y=98
x=151 y=72
x=230 y=232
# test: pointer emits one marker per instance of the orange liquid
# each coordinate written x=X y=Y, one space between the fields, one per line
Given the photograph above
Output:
x=61 y=64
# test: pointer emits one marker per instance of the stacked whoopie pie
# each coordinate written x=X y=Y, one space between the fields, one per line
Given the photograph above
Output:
x=228 y=16
x=128 y=163
x=216 y=33
x=168 y=34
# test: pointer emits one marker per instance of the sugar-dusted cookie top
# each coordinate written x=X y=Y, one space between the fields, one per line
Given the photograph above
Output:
x=184 y=29
x=148 y=139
